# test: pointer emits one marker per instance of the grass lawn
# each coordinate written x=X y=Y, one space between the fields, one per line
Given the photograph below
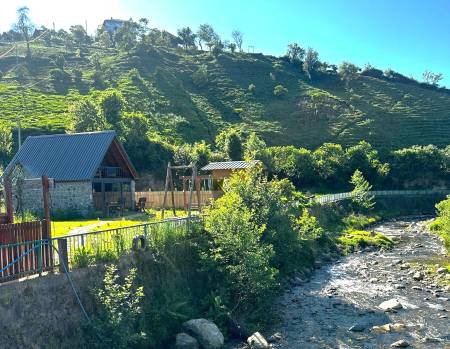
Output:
x=61 y=228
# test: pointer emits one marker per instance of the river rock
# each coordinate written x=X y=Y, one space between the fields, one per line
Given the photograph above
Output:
x=398 y=327
x=185 y=341
x=418 y=276
x=442 y=270
x=400 y=344
x=257 y=341
x=206 y=332
x=391 y=304
x=381 y=329
x=405 y=266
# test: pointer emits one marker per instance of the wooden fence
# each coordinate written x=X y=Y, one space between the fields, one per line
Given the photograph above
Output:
x=22 y=251
x=155 y=199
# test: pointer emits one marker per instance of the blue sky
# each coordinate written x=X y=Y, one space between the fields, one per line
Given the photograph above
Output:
x=407 y=36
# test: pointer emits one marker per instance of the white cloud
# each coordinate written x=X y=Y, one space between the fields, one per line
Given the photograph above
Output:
x=63 y=13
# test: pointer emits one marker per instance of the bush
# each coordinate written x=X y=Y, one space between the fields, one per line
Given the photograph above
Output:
x=359 y=239
x=119 y=324
x=77 y=76
x=280 y=90
x=60 y=79
x=237 y=253
x=441 y=225
x=200 y=77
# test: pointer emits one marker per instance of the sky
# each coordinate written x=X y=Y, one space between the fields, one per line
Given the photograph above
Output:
x=408 y=36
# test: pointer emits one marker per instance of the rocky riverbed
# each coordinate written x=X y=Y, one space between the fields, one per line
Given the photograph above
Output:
x=341 y=306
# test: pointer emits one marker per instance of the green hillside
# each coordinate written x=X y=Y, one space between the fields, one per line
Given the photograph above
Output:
x=387 y=114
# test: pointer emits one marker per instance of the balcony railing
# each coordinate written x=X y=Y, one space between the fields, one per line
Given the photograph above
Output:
x=110 y=172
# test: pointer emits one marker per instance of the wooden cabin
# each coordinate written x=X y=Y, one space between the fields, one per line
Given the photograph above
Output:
x=88 y=171
x=220 y=170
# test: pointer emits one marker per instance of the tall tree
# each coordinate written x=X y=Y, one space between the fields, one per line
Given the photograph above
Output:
x=79 y=35
x=187 y=36
x=361 y=191
x=24 y=26
x=229 y=142
x=126 y=35
x=348 y=72
x=111 y=104
x=6 y=142
x=432 y=78
x=238 y=38
x=311 y=62
x=86 y=117
x=207 y=35
x=295 y=53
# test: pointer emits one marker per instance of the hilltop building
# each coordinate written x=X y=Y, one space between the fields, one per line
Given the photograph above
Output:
x=112 y=25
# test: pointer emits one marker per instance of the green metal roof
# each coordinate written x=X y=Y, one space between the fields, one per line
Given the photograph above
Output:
x=63 y=157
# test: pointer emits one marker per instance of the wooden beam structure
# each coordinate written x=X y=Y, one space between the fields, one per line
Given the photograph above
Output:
x=194 y=184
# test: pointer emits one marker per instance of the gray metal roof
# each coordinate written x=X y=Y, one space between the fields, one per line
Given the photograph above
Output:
x=229 y=165
x=63 y=157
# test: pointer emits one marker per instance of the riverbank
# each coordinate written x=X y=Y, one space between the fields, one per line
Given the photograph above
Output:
x=339 y=306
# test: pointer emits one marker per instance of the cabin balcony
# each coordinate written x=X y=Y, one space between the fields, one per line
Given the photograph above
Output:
x=110 y=172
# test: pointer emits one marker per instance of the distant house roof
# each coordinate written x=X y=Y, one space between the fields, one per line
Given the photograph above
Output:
x=230 y=165
x=66 y=157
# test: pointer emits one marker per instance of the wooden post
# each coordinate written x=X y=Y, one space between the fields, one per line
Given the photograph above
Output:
x=63 y=255
x=103 y=198
x=197 y=187
x=46 y=231
x=166 y=187
x=45 y=196
x=9 y=201
x=191 y=189
x=172 y=193
x=184 y=195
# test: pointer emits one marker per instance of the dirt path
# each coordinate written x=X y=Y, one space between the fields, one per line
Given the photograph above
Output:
x=319 y=313
x=86 y=228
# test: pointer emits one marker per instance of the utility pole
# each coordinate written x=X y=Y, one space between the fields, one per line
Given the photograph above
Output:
x=19 y=131
x=85 y=25
x=54 y=26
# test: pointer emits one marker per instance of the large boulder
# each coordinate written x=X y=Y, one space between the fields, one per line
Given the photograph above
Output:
x=391 y=304
x=257 y=341
x=185 y=341
x=206 y=332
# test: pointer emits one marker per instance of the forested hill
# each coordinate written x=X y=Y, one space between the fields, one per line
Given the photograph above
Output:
x=191 y=95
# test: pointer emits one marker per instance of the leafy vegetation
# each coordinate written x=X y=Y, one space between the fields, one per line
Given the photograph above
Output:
x=441 y=225
x=165 y=89
x=360 y=239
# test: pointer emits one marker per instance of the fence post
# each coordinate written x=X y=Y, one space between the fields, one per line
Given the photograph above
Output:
x=63 y=255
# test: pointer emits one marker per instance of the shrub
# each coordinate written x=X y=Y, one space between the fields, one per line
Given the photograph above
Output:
x=237 y=252
x=119 y=323
x=200 y=76
x=77 y=76
x=60 y=79
x=83 y=257
x=280 y=90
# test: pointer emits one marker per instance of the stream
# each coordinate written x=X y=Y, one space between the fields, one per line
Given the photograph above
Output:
x=320 y=312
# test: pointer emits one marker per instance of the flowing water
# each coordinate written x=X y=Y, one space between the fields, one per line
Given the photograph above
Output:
x=319 y=313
